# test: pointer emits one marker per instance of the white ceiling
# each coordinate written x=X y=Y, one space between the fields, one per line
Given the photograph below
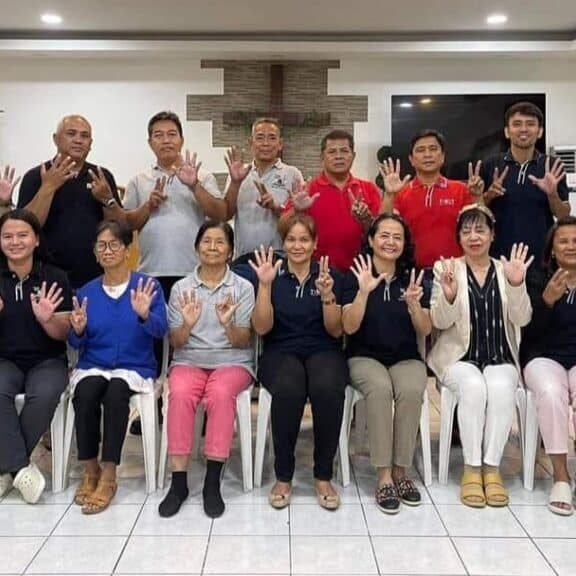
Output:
x=303 y=18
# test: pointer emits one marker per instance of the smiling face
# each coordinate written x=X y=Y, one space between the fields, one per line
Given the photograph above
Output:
x=427 y=156
x=388 y=241
x=73 y=138
x=299 y=244
x=564 y=247
x=214 y=248
x=110 y=251
x=166 y=142
x=18 y=241
x=265 y=142
x=523 y=131
x=475 y=237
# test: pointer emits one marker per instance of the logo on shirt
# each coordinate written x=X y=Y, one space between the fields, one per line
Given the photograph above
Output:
x=447 y=202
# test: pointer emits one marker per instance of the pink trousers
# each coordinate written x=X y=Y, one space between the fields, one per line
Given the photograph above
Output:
x=555 y=391
x=218 y=389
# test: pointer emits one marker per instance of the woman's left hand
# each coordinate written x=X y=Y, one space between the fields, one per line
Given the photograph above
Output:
x=324 y=283
x=142 y=298
x=413 y=294
x=44 y=304
x=225 y=310
x=515 y=268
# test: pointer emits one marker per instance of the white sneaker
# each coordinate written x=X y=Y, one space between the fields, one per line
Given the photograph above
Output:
x=5 y=484
x=30 y=482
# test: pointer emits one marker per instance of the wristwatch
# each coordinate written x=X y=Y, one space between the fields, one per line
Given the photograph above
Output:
x=110 y=203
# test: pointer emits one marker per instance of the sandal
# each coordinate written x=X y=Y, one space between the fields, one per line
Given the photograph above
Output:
x=30 y=483
x=560 y=501
x=407 y=492
x=387 y=499
x=496 y=493
x=101 y=498
x=328 y=501
x=279 y=501
x=472 y=490
x=87 y=487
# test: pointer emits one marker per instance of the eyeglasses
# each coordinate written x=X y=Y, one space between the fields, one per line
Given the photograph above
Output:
x=113 y=246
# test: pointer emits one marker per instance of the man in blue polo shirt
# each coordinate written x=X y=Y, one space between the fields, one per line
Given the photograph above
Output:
x=525 y=188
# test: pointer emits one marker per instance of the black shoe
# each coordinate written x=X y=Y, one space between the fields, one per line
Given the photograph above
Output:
x=171 y=504
x=407 y=492
x=213 y=504
x=136 y=427
x=387 y=499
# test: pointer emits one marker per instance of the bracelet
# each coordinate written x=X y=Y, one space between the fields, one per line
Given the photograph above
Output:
x=329 y=301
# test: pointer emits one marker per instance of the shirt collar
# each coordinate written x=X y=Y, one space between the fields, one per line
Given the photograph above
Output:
x=535 y=158
x=276 y=166
x=228 y=279
x=284 y=271
x=324 y=181
x=441 y=182
x=34 y=273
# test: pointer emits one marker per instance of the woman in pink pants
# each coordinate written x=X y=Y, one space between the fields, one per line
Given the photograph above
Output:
x=549 y=353
x=209 y=318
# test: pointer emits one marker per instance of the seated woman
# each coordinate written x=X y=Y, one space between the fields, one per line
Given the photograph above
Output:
x=548 y=353
x=115 y=320
x=298 y=312
x=383 y=317
x=479 y=305
x=209 y=316
x=35 y=301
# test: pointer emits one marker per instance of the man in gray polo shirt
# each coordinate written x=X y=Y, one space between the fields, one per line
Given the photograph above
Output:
x=256 y=193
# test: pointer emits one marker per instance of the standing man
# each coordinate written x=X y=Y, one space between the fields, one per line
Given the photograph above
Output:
x=71 y=197
x=342 y=205
x=527 y=189
x=257 y=193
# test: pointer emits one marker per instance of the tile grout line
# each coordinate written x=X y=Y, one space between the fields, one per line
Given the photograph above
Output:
x=128 y=537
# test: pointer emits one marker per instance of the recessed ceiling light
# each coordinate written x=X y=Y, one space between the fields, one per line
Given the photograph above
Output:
x=496 y=19
x=406 y=104
x=51 y=18
x=425 y=100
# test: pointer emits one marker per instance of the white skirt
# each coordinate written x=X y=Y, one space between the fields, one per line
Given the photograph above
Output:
x=135 y=382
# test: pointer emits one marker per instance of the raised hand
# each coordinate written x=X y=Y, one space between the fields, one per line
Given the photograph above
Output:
x=359 y=209
x=99 y=187
x=1 y=304
x=190 y=308
x=225 y=310
x=79 y=316
x=266 y=200
x=301 y=198
x=157 y=196
x=515 y=268
x=187 y=172
x=324 y=283
x=45 y=303
x=263 y=265
x=413 y=294
x=236 y=167
x=448 y=281
x=390 y=171
x=141 y=299
x=552 y=177
x=61 y=170
x=362 y=269
x=7 y=185
x=475 y=182
x=556 y=287
x=496 y=188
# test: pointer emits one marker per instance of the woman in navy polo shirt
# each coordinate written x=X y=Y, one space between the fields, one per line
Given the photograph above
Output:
x=35 y=301
x=299 y=314
x=384 y=313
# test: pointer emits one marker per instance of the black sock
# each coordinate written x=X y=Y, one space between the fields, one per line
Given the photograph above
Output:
x=213 y=503
x=180 y=484
x=176 y=495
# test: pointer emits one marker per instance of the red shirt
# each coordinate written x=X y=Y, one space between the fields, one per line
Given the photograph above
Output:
x=431 y=213
x=339 y=233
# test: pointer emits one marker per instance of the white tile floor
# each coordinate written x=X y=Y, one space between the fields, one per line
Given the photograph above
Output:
x=440 y=537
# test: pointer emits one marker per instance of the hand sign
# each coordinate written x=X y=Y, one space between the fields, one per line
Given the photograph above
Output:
x=79 y=316
x=515 y=268
x=552 y=177
x=324 y=283
x=556 y=287
x=61 y=170
x=362 y=269
x=236 y=167
x=157 y=196
x=100 y=188
x=44 y=304
x=7 y=185
x=301 y=198
x=448 y=281
x=359 y=209
x=225 y=310
x=475 y=182
x=264 y=267
x=190 y=308
x=266 y=200
x=187 y=172
x=393 y=183
x=414 y=292
x=142 y=298
x=497 y=189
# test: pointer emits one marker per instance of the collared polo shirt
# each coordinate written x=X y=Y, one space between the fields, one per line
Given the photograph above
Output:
x=298 y=314
x=523 y=213
x=23 y=341
x=208 y=346
x=70 y=228
x=166 y=241
x=431 y=213
x=254 y=225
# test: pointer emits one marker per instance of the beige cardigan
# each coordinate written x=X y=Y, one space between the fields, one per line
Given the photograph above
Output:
x=453 y=320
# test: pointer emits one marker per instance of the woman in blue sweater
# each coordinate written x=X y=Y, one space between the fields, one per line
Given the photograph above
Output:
x=114 y=322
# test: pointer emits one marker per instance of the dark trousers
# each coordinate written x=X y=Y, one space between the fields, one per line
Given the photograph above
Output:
x=43 y=385
x=91 y=395
x=291 y=380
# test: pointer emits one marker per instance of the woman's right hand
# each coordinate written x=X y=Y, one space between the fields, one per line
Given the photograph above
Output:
x=555 y=288
x=78 y=316
x=190 y=308
x=448 y=281
x=362 y=269
x=264 y=267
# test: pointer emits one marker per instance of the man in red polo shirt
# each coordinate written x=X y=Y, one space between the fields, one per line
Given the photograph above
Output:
x=342 y=206
x=430 y=203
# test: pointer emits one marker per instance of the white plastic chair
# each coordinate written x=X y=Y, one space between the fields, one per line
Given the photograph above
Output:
x=529 y=434
x=57 y=434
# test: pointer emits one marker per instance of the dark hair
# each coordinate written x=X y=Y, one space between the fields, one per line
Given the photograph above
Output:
x=118 y=229
x=548 y=261
x=211 y=224
x=428 y=133
x=526 y=109
x=473 y=214
x=30 y=218
x=266 y=120
x=337 y=135
x=162 y=116
x=405 y=261
x=286 y=224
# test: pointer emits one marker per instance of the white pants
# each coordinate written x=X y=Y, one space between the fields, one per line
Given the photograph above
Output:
x=486 y=401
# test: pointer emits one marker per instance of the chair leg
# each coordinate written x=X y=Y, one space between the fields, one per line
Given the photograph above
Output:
x=447 y=407
x=163 y=458
x=426 y=469
x=343 y=472
x=531 y=439
x=244 y=420
x=146 y=406
x=68 y=433
x=264 y=406
x=57 y=432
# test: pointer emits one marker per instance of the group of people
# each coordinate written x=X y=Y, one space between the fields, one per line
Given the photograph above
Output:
x=308 y=266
